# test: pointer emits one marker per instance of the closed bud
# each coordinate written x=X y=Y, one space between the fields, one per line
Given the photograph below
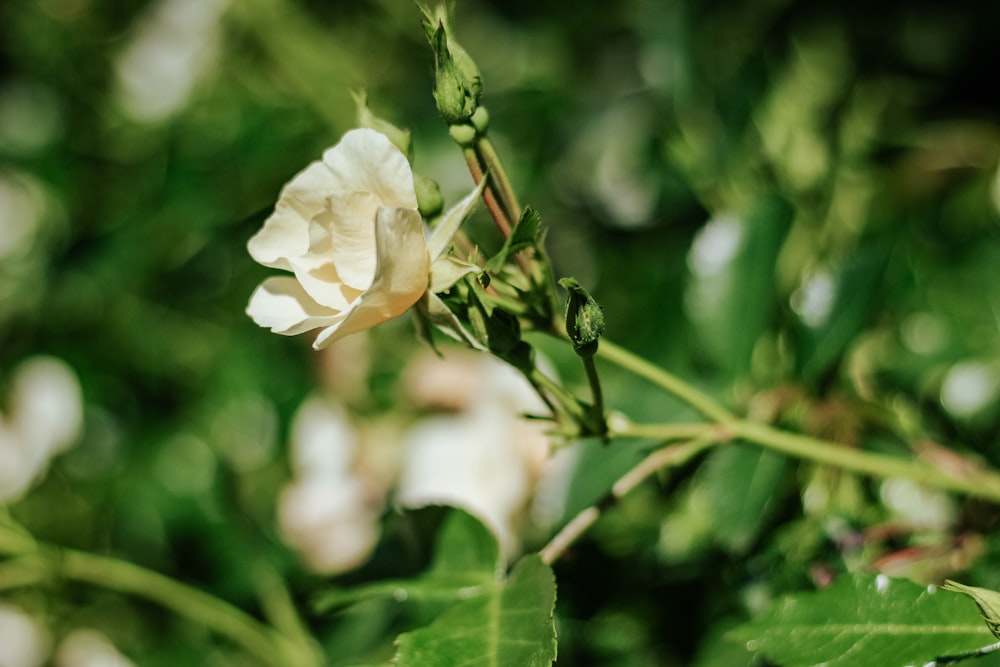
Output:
x=584 y=318
x=458 y=84
x=429 y=199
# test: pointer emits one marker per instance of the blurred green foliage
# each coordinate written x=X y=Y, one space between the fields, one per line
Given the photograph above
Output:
x=793 y=204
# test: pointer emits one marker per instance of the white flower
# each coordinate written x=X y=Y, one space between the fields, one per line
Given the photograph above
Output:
x=23 y=641
x=89 y=648
x=44 y=418
x=349 y=230
x=484 y=458
x=328 y=521
x=326 y=513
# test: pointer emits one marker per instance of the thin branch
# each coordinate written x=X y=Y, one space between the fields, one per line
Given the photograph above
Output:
x=670 y=456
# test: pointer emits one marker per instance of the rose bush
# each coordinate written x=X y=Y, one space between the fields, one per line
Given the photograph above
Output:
x=349 y=230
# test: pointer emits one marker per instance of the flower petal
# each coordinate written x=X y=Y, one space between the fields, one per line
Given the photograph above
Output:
x=350 y=219
x=367 y=161
x=401 y=275
x=319 y=278
x=284 y=307
x=286 y=232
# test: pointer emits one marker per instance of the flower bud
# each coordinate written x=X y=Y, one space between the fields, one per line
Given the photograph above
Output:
x=462 y=134
x=584 y=318
x=457 y=85
x=481 y=120
x=429 y=199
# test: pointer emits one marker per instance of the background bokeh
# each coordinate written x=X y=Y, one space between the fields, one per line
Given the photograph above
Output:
x=794 y=205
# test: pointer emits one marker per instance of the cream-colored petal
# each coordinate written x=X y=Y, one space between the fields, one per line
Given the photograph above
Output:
x=401 y=275
x=365 y=160
x=285 y=308
x=319 y=277
x=286 y=232
x=350 y=219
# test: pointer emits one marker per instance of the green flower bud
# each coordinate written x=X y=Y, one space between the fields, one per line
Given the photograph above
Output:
x=481 y=120
x=458 y=84
x=463 y=134
x=429 y=199
x=584 y=318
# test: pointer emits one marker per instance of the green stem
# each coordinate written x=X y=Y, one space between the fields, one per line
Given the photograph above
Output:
x=493 y=205
x=665 y=432
x=186 y=601
x=982 y=484
x=36 y=563
x=666 y=381
x=597 y=408
x=279 y=609
x=494 y=167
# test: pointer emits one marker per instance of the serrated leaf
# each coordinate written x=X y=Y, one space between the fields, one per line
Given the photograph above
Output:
x=738 y=485
x=523 y=236
x=466 y=560
x=861 y=621
x=509 y=624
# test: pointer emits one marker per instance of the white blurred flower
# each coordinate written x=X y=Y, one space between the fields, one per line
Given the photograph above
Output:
x=45 y=418
x=89 y=648
x=172 y=46
x=23 y=641
x=480 y=455
x=917 y=506
x=325 y=512
x=323 y=440
x=349 y=229
x=328 y=520
x=486 y=458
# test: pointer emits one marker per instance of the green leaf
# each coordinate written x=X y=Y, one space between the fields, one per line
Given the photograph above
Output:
x=523 y=236
x=856 y=284
x=509 y=624
x=732 y=297
x=466 y=560
x=988 y=602
x=466 y=546
x=433 y=313
x=863 y=621
x=738 y=483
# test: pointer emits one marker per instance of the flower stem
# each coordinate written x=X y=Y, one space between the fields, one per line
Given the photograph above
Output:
x=191 y=603
x=597 y=407
x=498 y=175
x=981 y=483
x=43 y=562
x=670 y=383
x=476 y=168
